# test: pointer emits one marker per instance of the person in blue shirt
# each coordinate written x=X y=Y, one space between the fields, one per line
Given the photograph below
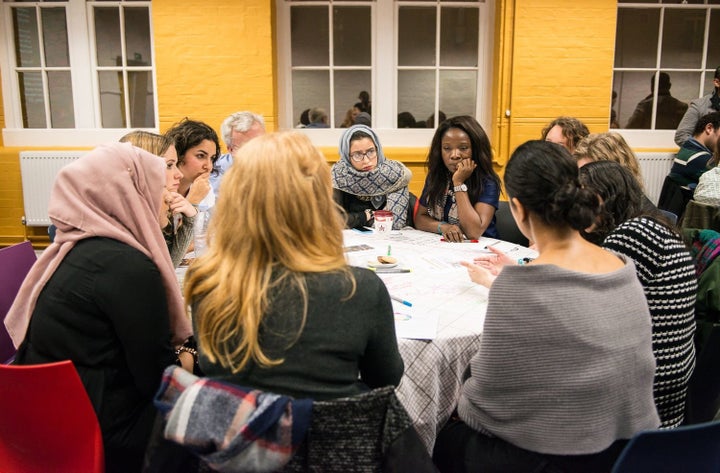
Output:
x=462 y=189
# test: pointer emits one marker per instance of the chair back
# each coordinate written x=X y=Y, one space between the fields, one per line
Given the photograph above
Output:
x=674 y=197
x=691 y=449
x=413 y=204
x=48 y=423
x=703 y=398
x=370 y=432
x=365 y=433
x=699 y=215
x=506 y=226
x=15 y=262
x=670 y=216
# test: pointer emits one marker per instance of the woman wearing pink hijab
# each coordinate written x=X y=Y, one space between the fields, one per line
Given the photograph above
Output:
x=105 y=295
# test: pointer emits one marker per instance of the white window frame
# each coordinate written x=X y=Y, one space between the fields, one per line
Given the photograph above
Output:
x=88 y=129
x=384 y=47
x=664 y=139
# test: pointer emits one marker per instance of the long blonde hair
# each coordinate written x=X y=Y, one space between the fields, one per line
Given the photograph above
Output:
x=609 y=146
x=275 y=219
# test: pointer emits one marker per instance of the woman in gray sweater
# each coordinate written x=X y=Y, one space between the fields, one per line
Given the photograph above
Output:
x=564 y=375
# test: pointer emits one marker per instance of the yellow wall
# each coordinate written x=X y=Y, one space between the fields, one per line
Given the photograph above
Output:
x=555 y=58
x=215 y=57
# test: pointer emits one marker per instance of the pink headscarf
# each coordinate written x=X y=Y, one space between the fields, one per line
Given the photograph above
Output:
x=115 y=192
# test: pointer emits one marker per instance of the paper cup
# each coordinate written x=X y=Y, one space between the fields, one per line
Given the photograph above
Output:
x=383 y=222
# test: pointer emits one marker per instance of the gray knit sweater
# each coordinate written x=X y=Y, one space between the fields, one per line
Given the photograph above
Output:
x=566 y=364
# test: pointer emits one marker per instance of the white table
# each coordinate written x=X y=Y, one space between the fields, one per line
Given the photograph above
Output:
x=442 y=330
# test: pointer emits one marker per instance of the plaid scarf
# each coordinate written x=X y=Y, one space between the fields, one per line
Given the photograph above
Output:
x=705 y=248
x=230 y=427
x=389 y=180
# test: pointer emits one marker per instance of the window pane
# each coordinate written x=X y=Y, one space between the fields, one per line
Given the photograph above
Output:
x=457 y=92
x=62 y=114
x=459 y=37
x=107 y=36
x=416 y=36
x=32 y=99
x=141 y=95
x=310 y=90
x=55 y=37
x=416 y=93
x=351 y=36
x=27 y=43
x=348 y=85
x=683 y=36
x=309 y=36
x=684 y=85
x=112 y=107
x=631 y=87
x=137 y=36
x=635 y=93
x=713 y=54
x=708 y=85
x=637 y=35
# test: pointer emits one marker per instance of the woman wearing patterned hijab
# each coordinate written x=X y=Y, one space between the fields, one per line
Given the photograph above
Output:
x=364 y=180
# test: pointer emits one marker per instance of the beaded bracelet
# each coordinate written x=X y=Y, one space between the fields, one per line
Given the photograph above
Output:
x=439 y=228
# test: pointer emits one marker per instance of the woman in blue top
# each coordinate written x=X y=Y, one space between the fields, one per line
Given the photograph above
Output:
x=461 y=189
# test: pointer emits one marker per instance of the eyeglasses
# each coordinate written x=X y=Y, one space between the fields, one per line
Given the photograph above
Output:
x=358 y=156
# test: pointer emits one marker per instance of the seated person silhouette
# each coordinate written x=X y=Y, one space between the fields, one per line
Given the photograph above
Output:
x=669 y=109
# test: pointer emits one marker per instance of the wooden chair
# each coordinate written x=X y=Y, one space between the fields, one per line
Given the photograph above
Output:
x=690 y=449
x=15 y=262
x=48 y=423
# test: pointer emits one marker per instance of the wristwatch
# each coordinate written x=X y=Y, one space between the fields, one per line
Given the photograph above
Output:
x=460 y=188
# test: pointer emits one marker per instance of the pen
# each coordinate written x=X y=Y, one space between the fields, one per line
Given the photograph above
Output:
x=464 y=241
x=390 y=270
x=401 y=300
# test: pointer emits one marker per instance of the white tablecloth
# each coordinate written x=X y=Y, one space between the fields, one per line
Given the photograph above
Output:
x=441 y=332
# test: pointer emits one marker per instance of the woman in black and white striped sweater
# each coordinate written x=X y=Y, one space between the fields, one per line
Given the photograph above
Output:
x=664 y=266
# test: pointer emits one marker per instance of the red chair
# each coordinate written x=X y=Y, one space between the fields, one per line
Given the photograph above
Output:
x=15 y=262
x=47 y=423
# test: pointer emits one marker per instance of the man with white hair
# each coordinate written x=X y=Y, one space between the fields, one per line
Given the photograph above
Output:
x=236 y=130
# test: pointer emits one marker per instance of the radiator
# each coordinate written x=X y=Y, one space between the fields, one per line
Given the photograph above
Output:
x=38 y=170
x=654 y=167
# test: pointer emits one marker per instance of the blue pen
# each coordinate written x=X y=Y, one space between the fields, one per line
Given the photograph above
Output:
x=400 y=300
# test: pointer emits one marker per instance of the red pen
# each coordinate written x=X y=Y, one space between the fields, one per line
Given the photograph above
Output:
x=464 y=241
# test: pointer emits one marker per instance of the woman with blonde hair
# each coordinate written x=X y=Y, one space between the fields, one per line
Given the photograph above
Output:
x=608 y=146
x=275 y=305
x=178 y=232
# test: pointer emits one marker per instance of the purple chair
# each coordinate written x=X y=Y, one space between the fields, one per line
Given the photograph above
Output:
x=15 y=262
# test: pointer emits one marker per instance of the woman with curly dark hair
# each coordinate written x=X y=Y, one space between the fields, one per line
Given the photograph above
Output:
x=461 y=189
x=198 y=147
